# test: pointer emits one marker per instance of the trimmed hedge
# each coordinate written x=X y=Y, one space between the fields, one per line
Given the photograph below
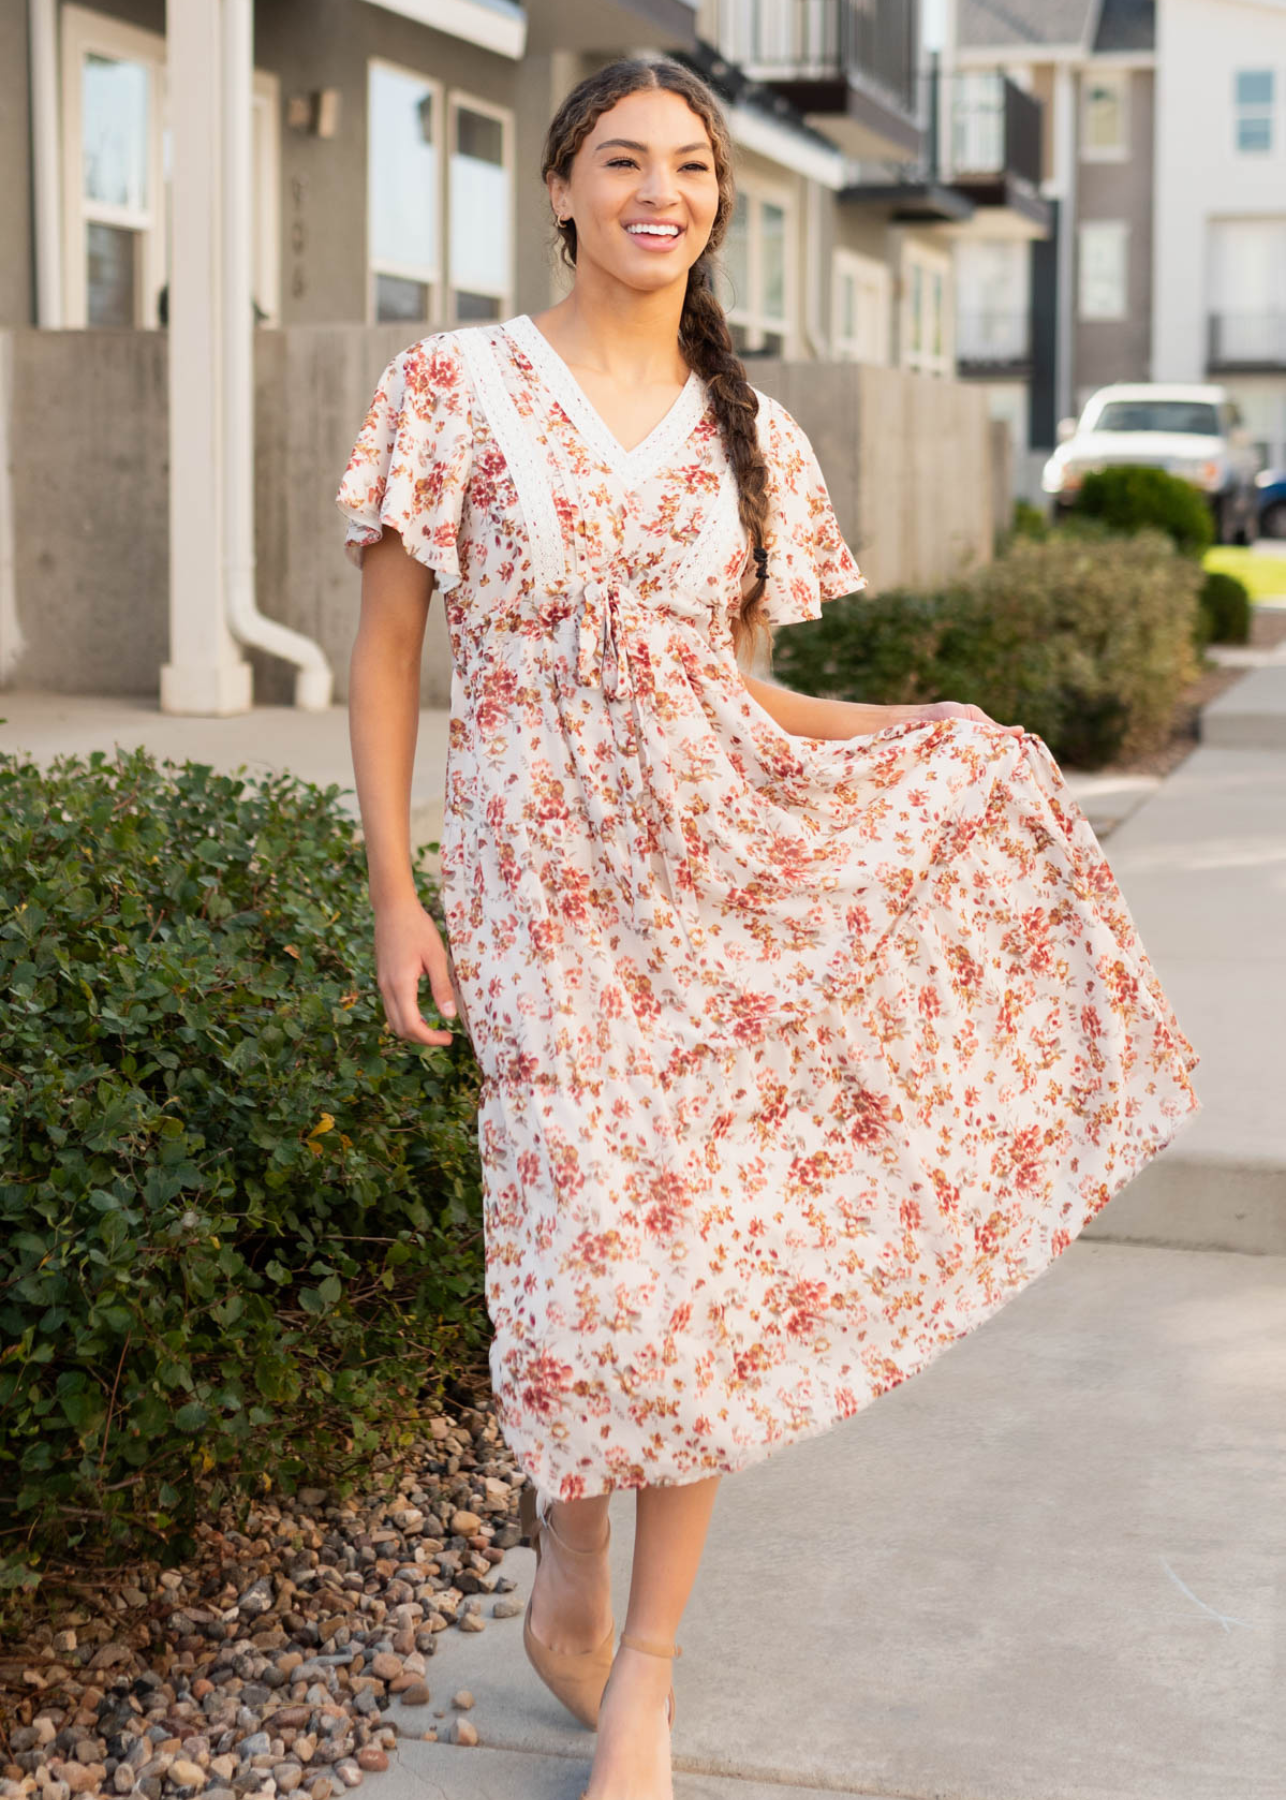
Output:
x=240 y=1228
x=1085 y=639
x=1225 y=609
x=1135 y=498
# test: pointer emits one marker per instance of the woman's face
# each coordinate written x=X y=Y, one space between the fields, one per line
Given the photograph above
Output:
x=643 y=191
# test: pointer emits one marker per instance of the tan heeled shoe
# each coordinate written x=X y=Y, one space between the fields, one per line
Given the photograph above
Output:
x=671 y=1650
x=576 y=1677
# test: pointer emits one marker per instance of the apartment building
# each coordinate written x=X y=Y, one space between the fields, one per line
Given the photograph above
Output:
x=1051 y=320
x=1220 y=244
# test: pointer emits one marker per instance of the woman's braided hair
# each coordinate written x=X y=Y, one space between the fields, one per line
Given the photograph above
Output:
x=703 y=330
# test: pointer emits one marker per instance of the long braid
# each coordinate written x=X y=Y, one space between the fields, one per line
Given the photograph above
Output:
x=703 y=329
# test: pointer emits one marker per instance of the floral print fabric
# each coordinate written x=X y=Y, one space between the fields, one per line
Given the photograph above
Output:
x=799 y=1056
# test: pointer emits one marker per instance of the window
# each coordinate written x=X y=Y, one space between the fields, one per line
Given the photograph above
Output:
x=1255 y=99
x=926 y=297
x=432 y=158
x=1246 y=275
x=403 y=179
x=1105 y=98
x=993 y=300
x=756 y=261
x=1103 y=269
x=860 y=303
x=116 y=175
x=481 y=206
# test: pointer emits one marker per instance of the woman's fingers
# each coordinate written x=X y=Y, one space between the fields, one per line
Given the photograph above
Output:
x=401 y=995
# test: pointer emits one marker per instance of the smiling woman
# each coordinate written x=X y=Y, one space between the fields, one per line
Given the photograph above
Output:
x=809 y=1031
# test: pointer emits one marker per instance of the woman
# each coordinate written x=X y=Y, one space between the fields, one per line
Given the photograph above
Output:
x=809 y=1031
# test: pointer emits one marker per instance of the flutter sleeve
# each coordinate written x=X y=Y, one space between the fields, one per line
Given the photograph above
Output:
x=808 y=560
x=411 y=462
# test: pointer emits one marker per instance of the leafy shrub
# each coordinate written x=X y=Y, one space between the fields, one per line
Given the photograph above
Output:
x=240 y=1227
x=1132 y=499
x=1085 y=639
x=1225 y=609
x=1029 y=521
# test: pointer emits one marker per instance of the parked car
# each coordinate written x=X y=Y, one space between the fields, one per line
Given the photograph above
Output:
x=1191 y=431
x=1270 y=486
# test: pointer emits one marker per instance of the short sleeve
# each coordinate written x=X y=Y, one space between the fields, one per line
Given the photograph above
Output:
x=411 y=462
x=808 y=560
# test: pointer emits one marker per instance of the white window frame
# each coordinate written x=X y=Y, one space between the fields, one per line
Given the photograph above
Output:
x=434 y=278
x=936 y=266
x=749 y=314
x=1255 y=110
x=1120 y=79
x=1121 y=230
x=457 y=99
x=83 y=32
x=862 y=271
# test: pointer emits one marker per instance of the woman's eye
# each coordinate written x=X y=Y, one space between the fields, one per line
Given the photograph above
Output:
x=621 y=162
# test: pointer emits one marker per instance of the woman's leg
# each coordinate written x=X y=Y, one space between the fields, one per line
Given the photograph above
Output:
x=571 y=1606
x=632 y=1757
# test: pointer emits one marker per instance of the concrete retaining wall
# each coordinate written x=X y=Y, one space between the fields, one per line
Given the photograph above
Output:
x=908 y=461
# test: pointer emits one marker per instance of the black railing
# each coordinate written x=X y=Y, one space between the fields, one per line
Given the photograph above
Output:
x=993 y=338
x=992 y=126
x=815 y=40
x=1247 y=340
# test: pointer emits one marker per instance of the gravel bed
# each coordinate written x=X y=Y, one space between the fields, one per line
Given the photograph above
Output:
x=265 y=1666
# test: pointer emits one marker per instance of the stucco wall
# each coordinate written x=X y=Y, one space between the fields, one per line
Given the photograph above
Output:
x=907 y=459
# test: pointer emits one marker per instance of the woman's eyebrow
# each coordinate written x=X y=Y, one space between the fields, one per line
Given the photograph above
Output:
x=630 y=144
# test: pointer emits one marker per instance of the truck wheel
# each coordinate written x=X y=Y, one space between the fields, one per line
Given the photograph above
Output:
x=1272 y=522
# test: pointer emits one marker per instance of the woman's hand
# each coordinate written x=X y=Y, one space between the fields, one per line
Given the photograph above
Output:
x=956 y=709
x=408 y=946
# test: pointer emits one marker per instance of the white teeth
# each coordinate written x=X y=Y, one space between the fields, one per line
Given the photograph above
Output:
x=653 y=230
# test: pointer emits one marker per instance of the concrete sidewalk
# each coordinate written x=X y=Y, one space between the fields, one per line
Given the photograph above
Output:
x=1052 y=1566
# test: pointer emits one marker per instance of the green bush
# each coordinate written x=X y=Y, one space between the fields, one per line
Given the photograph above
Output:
x=1225 y=609
x=1085 y=639
x=1132 y=499
x=240 y=1234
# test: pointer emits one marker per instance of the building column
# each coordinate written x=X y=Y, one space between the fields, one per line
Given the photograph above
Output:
x=1064 y=185
x=206 y=673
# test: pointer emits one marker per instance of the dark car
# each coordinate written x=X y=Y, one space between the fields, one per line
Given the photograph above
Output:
x=1270 y=489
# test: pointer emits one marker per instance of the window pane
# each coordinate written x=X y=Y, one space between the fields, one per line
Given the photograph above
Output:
x=1255 y=134
x=1104 y=116
x=114 y=131
x=1255 y=87
x=402 y=172
x=772 y=257
x=111 y=266
x=774 y=344
x=1102 y=271
x=736 y=253
x=937 y=315
x=469 y=307
x=398 y=299
x=480 y=136
x=917 y=306
x=480 y=207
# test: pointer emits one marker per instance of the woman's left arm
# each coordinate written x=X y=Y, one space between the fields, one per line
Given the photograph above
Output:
x=804 y=715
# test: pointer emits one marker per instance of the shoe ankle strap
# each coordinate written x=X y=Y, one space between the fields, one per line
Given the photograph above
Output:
x=649 y=1645
x=547 y=1524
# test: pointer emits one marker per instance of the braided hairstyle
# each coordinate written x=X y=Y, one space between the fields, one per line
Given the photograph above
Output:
x=703 y=330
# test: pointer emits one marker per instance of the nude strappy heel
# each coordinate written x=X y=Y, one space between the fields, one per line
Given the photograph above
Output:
x=651 y=1649
x=576 y=1677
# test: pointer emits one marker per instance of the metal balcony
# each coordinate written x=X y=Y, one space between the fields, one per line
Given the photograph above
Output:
x=848 y=66
x=1246 y=343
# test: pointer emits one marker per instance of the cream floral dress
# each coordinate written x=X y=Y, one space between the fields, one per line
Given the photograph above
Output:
x=799 y=1056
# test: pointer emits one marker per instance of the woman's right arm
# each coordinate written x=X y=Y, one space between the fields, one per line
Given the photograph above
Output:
x=384 y=716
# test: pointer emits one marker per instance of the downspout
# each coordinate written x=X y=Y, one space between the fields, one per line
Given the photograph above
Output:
x=314 y=681
x=42 y=28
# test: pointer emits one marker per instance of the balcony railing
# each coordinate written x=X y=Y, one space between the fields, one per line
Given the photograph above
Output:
x=1247 y=340
x=872 y=41
x=993 y=339
x=995 y=128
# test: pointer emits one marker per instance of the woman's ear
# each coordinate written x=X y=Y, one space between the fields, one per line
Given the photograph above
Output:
x=556 y=188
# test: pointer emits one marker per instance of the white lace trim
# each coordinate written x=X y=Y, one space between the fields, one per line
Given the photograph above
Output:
x=647 y=457
x=528 y=466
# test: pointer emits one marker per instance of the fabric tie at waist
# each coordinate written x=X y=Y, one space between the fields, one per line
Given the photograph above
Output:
x=606 y=612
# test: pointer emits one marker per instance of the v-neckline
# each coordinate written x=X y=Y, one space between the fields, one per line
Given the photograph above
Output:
x=669 y=432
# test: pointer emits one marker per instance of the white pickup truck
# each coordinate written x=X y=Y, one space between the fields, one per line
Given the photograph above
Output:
x=1191 y=431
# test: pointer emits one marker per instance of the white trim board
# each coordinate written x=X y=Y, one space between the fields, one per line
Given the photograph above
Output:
x=496 y=25
x=789 y=149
